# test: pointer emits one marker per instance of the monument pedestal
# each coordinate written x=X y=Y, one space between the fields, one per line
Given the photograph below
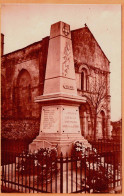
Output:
x=63 y=143
x=60 y=122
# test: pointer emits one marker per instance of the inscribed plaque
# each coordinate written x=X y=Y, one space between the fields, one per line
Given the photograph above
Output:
x=50 y=121
x=70 y=120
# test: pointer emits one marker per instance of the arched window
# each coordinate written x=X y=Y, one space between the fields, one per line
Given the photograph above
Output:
x=24 y=94
x=84 y=80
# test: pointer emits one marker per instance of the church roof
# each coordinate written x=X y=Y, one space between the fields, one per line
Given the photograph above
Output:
x=85 y=35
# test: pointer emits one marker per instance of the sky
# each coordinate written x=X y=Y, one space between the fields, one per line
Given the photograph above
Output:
x=24 y=24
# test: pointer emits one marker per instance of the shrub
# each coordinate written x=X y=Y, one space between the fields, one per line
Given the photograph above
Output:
x=98 y=175
x=41 y=163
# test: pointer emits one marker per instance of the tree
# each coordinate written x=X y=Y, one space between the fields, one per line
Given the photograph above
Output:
x=98 y=92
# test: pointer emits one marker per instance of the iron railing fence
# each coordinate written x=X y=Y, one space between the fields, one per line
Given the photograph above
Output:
x=12 y=148
x=105 y=145
x=89 y=173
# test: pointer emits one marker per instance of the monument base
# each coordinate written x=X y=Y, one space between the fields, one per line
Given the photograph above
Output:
x=60 y=128
x=63 y=143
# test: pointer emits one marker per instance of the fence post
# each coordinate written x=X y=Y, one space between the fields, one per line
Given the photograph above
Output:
x=71 y=173
x=66 y=173
x=93 y=173
x=89 y=173
x=56 y=161
x=51 y=160
x=114 y=167
x=105 y=145
x=18 y=169
x=2 y=174
x=61 y=173
x=101 y=146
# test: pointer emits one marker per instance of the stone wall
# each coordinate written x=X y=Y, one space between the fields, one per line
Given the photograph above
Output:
x=20 y=129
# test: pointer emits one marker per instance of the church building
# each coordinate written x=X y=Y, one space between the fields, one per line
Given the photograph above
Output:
x=22 y=80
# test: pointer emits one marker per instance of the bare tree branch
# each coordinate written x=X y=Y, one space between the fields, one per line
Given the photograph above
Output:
x=97 y=94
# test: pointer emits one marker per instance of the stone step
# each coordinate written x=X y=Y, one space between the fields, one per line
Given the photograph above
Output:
x=64 y=138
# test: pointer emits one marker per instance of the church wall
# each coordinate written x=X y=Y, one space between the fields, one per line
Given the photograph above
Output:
x=32 y=60
x=89 y=56
x=93 y=81
x=14 y=126
x=32 y=66
x=86 y=50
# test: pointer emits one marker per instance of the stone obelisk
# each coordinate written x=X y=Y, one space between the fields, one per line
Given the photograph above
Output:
x=60 y=123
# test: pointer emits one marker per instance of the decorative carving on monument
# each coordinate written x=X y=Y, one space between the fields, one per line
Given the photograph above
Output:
x=66 y=29
x=66 y=57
